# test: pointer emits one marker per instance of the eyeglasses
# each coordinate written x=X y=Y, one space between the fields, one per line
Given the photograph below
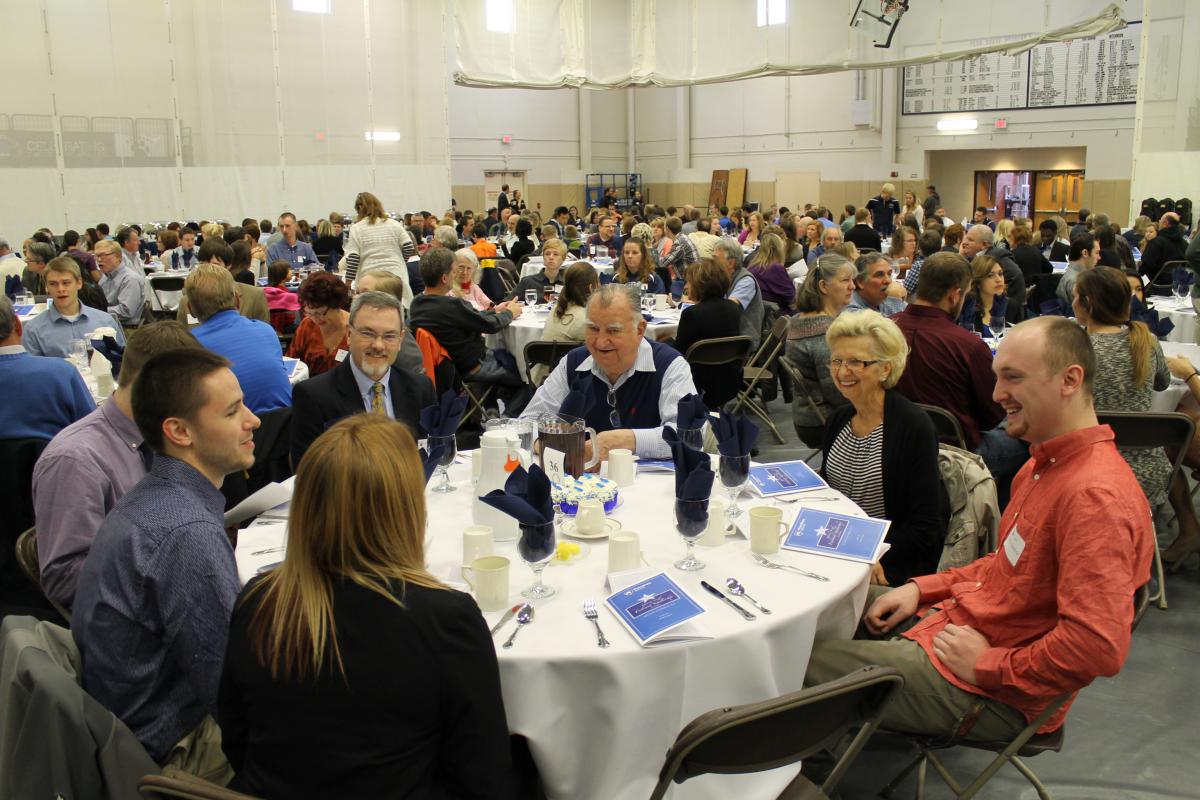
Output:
x=614 y=416
x=389 y=339
x=852 y=364
x=317 y=312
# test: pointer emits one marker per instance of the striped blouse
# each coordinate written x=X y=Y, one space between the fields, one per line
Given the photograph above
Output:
x=855 y=468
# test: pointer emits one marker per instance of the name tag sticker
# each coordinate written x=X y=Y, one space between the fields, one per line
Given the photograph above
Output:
x=340 y=356
x=1014 y=545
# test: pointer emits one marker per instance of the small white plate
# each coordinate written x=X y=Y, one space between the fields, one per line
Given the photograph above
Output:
x=611 y=526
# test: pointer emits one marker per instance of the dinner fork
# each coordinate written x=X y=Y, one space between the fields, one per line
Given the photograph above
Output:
x=803 y=498
x=769 y=564
x=589 y=611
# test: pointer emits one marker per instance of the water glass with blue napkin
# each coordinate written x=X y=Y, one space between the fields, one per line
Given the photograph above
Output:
x=526 y=497
x=107 y=346
x=690 y=419
x=736 y=437
x=693 y=486
x=431 y=455
x=12 y=287
x=441 y=419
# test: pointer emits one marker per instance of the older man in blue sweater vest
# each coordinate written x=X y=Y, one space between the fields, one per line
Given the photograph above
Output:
x=633 y=385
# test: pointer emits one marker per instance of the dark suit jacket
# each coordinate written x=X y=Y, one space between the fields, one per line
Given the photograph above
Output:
x=319 y=402
x=1059 y=251
x=864 y=237
x=1031 y=261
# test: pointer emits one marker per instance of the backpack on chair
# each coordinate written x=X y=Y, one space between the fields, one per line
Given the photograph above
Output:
x=974 y=511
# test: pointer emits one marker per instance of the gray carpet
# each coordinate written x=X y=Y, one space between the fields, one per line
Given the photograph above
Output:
x=1131 y=736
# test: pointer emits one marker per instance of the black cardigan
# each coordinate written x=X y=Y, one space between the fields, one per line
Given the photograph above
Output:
x=914 y=498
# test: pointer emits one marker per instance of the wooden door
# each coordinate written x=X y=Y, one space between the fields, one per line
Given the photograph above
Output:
x=1057 y=194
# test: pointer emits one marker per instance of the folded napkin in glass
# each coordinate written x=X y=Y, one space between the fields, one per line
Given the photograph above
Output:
x=693 y=468
x=525 y=497
x=441 y=419
x=736 y=435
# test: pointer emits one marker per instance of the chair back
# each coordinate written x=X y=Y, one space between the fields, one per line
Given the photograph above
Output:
x=773 y=733
x=718 y=352
x=1146 y=430
x=1043 y=288
x=27 y=558
x=946 y=425
x=439 y=367
x=772 y=343
x=803 y=388
x=1162 y=281
x=17 y=458
x=547 y=353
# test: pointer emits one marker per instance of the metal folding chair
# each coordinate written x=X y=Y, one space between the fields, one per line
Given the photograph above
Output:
x=441 y=370
x=546 y=353
x=1025 y=744
x=1148 y=430
x=803 y=388
x=27 y=558
x=758 y=371
x=167 y=291
x=773 y=733
x=946 y=425
x=724 y=351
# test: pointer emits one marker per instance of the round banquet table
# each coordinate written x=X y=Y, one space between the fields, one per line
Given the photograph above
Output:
x=599 y=721
x=533 y=265
x=528 y=328
x=1180 y=312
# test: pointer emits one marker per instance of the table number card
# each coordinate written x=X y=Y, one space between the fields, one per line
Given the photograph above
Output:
x=553 y=462
x=827 y=534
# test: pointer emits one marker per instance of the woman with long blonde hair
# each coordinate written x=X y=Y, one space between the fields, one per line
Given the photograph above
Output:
x=754 y=230
x=352 y=671
x=377 y=242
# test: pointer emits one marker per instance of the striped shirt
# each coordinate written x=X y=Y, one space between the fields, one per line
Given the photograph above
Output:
x=855 y=468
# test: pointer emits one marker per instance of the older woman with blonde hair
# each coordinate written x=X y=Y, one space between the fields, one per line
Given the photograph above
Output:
x=352 y=643
x=881 y=449
x=464 y=279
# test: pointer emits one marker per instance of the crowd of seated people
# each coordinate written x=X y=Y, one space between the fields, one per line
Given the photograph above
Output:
x=208 y=679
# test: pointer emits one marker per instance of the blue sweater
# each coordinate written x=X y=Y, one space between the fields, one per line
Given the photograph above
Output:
x=41 y=395
x=254 y=349
x=636 y=400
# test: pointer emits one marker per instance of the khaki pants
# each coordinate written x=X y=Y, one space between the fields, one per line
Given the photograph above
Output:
x=928 y=704
x=199 y=753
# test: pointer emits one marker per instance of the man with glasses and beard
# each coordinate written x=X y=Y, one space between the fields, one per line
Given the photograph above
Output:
x=633 y=385
x=366 y=381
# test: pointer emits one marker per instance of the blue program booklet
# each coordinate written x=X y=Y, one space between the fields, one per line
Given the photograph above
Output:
x=655 y=609
x=786 y=477
x=827 y=534
x=22 y=310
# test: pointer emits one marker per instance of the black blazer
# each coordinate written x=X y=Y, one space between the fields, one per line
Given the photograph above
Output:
x=319 y=402
x=1031 y=261
x=1059 y=251
x=711 y=319
x=914 y=498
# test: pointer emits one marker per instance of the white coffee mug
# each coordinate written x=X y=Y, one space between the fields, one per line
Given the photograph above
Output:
x=491 y=581
x=660 y=301
x=766 y=529
x=620 y=466
x=624 y=551
x=477 y=542
x=714 y=534
x=589 y=519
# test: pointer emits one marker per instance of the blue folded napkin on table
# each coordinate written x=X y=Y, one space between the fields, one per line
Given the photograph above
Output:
x=1140 y=312
x=112 y=351
x=430 y=456
x=576 y=404
x=525 y=497
x=12 y=286
x=692 y=413
x=736 y=436
x=441 y=419
x=693 y=470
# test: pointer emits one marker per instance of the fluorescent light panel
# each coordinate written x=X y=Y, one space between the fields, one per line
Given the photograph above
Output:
x=312 y=6
x=383 y=136
x=957 y=124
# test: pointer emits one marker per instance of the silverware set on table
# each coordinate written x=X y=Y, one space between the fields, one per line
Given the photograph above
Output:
x=769 y=564
x=524 y=614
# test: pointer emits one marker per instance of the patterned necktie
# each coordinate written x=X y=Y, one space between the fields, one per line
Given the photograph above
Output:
x=377 y=398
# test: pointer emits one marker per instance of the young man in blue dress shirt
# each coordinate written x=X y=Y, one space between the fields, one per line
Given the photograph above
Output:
x=156 y=592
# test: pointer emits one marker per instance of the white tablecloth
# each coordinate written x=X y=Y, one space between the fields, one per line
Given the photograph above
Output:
x=533 y=265
x=297 y=370
x=529 y=327
x=1169 y=398
x=1182 y=314
x=599 y=722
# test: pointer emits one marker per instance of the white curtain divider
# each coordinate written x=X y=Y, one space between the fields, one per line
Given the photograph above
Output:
x=621 y=43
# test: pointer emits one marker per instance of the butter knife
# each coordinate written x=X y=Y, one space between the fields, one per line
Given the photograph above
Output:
x=507 y=616
x=715 y=592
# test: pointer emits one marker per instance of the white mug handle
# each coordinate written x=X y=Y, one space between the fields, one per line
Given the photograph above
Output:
x=783 y=529
x=465 y=569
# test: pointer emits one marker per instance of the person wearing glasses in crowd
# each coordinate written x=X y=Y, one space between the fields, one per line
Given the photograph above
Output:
x=321 y=340
x=66 y=318
x=881 y=450
x=366 y=380
x=124 y=289
x=634 y=385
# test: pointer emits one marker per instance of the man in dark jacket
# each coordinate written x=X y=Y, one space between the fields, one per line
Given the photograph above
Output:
x=1168 y=245
x=863 y=236
x=931 y=202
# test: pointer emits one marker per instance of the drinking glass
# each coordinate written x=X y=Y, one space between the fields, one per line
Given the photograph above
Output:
x=997 y=328
x=692 y=437
x=531 y=297
x=79 y=353
x=536 y=547
x=691 y=520
x=444 y=461
x=735 y=473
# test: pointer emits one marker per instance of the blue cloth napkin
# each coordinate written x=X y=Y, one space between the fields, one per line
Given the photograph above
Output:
x=576 y=404
x=1140 y=312
x=12 y=286
x=525 y=497
x=693 y=471
x=692 y=413
x=112 y=351
x=441 y=419
x=736 y=436
x=430 y=456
